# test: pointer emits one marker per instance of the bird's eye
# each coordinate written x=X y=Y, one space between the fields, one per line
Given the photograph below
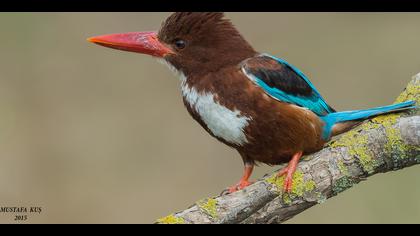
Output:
x=180 y=44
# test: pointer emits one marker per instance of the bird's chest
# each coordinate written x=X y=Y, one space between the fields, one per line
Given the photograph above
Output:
x=222 y=122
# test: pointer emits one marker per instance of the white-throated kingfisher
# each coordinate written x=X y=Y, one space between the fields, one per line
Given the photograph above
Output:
x=258 y=104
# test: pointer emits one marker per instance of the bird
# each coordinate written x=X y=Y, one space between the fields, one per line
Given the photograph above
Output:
x=259 y=104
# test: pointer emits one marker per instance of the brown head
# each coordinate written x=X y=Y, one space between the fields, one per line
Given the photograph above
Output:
x=193 y=42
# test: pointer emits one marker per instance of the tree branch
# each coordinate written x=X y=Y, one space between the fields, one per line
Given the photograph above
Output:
x=386 y=143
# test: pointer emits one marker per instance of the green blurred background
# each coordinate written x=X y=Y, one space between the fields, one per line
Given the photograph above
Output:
x=95 y=135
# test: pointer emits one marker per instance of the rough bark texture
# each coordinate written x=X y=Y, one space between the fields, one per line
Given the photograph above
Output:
x=386 y=143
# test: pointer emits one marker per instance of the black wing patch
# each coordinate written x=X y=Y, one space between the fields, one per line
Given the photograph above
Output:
x=286 y=83
x=279 y=76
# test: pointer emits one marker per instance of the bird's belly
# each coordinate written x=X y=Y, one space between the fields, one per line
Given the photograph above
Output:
x=274 y=137
x=222 y=122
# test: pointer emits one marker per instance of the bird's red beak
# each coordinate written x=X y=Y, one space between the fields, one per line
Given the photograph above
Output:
x=140 y=42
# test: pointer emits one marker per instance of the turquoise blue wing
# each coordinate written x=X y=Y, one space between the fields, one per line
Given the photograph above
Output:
x=284 y=82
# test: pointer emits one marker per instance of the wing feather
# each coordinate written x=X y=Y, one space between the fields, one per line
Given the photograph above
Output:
x=285 y=83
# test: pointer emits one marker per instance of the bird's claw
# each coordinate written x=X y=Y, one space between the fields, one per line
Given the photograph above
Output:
x=288 y=180
x=288 y=184
x=239 y=186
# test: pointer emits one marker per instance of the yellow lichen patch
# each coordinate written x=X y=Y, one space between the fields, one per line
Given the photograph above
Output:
x=171 y=219
x=208 y=206
x=299 y=187
x=412 y=92
x=342 y=167
x=395 y=143
x=393 y=135
x=357 y=146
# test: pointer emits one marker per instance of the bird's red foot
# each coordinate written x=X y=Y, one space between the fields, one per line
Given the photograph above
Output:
x=289 y=170
x=288 y=180
x=243 y=183
x=239 y=186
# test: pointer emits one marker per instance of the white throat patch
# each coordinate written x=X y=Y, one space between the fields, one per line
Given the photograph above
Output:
x=222 y=122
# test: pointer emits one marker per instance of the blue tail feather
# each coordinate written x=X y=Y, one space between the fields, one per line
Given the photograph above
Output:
x=334 y=118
